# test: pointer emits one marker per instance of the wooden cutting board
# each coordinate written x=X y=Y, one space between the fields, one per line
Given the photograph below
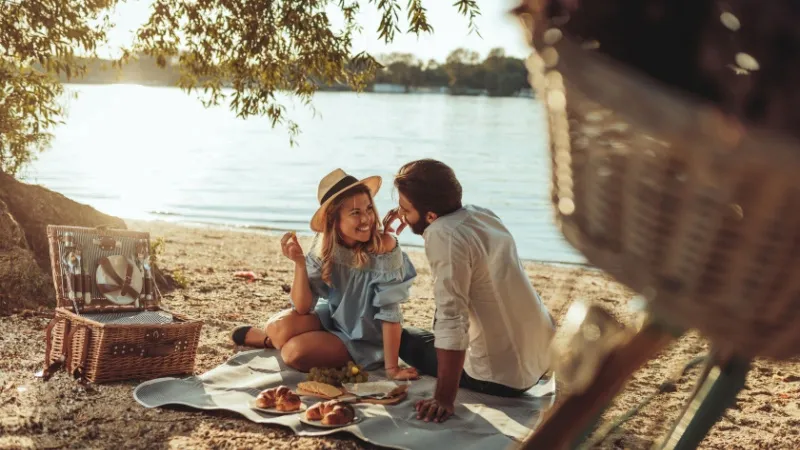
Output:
x=312 y=394
x=384 y=401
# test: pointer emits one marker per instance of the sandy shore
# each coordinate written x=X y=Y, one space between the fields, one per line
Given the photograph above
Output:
x=61 y=414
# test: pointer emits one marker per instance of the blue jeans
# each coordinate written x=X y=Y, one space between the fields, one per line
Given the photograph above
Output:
x=416 y=349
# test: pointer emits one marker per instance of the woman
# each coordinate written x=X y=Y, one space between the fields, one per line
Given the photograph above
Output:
x=347 y=290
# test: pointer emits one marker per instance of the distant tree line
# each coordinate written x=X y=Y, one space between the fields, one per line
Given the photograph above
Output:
x=463 y=72
x=141 y=69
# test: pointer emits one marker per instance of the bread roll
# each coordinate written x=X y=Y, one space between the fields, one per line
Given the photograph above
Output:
x=282 y=398
x=340 y=414
x=332 y=412
x=315 y=412
x=266 y=399
x=287 y=402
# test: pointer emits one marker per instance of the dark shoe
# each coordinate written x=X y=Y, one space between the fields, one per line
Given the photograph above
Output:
x=239 y=333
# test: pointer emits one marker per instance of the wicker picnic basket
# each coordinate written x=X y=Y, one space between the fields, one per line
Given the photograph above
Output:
x=114 y=328
x=671 y=195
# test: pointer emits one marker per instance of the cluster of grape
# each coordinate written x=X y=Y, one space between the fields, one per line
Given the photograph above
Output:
x=351 y=373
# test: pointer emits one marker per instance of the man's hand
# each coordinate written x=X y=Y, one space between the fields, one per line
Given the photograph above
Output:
x=391 y=216
x=432 y=410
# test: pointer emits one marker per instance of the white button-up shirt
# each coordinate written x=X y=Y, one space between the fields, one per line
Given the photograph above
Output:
x=485 y=303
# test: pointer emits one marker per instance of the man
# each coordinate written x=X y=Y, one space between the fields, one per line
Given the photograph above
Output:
x=491 y=331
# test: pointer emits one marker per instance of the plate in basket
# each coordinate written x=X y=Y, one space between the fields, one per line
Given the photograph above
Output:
x=302 y=408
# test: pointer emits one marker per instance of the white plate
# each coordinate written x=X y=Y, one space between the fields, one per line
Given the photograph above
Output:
x=303 y=407
x=319 y=424
x=120 y=263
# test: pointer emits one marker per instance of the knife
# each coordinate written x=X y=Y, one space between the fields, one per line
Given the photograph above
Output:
x=355 y=398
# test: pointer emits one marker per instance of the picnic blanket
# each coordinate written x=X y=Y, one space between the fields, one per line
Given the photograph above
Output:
x=480 y=421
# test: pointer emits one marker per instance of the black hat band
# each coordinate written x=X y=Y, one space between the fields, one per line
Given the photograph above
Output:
x=336 y=188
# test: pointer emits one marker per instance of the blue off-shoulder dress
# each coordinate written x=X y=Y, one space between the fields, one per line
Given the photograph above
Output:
x=360 y=299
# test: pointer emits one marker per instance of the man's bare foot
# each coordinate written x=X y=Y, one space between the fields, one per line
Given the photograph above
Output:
x=249 y=336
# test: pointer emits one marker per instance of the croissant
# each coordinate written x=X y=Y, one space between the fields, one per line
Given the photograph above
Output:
x=315 y=412
x=332 y=412
x=282 y=398
x=288 y=402
x=339 y=415
x=266 y=399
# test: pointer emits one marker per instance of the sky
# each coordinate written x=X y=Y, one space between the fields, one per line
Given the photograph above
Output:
x=497 y=28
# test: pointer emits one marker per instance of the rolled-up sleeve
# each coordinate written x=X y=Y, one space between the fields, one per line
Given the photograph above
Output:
x=451 y=269
x=392 y=290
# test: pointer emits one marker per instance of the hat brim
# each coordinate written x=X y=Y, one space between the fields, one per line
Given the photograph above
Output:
x=372 y=183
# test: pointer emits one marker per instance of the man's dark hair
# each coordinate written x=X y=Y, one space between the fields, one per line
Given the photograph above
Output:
x=430 y=185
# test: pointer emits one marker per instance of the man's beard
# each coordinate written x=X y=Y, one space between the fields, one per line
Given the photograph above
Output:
x=419 y=226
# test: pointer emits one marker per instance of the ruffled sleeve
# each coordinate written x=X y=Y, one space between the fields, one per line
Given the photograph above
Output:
x=318 y=287
x=392 y=287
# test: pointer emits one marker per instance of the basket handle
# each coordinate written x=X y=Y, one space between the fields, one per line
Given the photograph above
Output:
x=51 y=365
x=78 y=371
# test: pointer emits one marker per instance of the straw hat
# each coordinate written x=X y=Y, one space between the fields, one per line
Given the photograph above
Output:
x=334 y=184
x=119 y=280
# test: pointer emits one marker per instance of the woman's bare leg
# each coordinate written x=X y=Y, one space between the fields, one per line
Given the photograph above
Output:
x=287 y=324
x=314 y=349
x=280 y=328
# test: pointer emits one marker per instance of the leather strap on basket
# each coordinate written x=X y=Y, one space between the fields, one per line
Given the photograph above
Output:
x=80 y=370
x=51 y=365
x=124 y=286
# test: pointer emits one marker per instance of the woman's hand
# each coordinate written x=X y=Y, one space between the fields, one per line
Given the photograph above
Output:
x=390 y=218
x=291 y=248
x=402 y=374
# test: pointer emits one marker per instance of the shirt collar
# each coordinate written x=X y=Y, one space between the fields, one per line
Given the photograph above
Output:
x=439 y=220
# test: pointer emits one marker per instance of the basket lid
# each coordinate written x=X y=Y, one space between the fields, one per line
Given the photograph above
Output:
x=101 y=269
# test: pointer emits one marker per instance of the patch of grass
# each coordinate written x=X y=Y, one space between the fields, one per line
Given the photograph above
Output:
x=156 y=250
x=180 y=278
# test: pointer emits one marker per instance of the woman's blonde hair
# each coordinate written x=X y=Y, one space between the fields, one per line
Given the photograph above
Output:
x=330 y=234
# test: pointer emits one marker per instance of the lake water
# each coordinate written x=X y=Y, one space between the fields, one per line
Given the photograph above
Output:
x=156 y=153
